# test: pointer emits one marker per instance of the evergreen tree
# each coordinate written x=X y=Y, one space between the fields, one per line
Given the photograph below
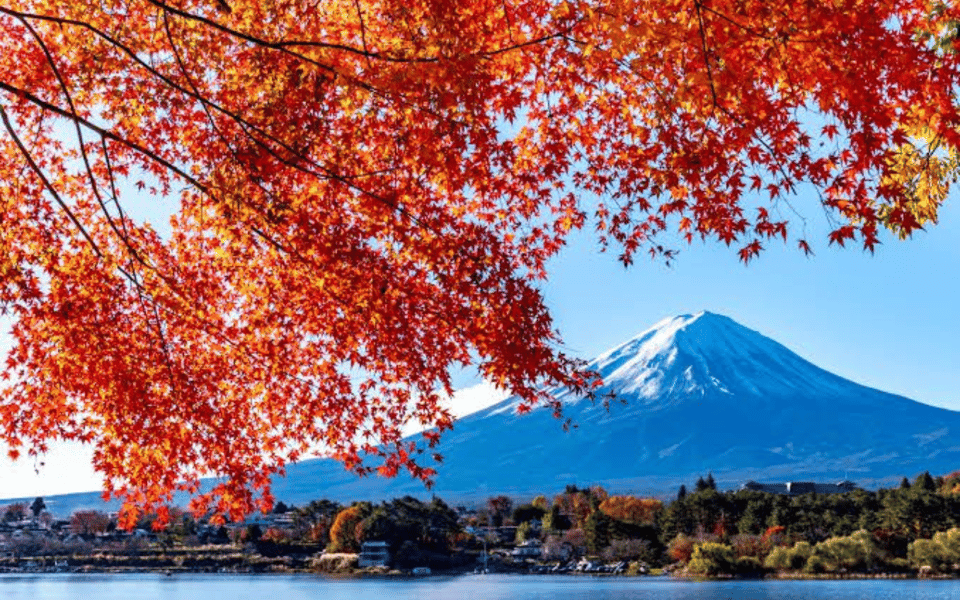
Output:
x=917 y=512
x=682 y=493
x=597 y=529
x=252 y=533
x=526 y=513
x=705 y=508
x=754 y=518
x=554 y=521
x=904 y=484
x=925 y=482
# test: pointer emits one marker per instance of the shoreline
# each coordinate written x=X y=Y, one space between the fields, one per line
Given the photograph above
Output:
x=275 y=568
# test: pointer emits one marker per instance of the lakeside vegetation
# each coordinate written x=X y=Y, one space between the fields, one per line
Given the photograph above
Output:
x=910 y=530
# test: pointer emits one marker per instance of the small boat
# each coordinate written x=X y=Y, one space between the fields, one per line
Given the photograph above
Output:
x=420 y=571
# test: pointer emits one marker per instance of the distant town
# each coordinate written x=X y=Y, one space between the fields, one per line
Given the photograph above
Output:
x=760 y=529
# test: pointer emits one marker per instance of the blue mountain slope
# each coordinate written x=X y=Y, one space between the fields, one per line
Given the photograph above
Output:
x=694 y=393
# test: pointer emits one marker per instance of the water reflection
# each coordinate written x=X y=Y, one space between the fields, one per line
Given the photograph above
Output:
x=489 y=587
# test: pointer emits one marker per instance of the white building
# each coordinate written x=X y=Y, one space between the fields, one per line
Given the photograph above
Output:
x=374 y=554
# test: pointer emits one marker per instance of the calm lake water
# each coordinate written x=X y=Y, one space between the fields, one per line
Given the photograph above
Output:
x=470 y=587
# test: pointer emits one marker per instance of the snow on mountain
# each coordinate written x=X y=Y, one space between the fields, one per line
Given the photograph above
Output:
x=476 y=397
x=682 y=359
x=691 y=354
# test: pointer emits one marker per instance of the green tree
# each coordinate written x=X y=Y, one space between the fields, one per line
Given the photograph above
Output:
x=707 y=507
x=430 y=526
x=554 y=520
x=524 y=532
x=526 y=513
x=918 y=511
x=925 y=482
x=597 y=529
x=941 y=553
x=711 y=558
x=857 y=552
x=677 y=519
x=792 y=558
x=754 y=510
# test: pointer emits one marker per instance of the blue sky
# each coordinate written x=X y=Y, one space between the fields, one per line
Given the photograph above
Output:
x=888 y=320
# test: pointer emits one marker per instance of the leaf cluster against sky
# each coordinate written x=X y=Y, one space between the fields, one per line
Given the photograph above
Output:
x=355 y=219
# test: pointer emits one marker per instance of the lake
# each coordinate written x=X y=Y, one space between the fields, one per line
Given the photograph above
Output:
x=468 y=587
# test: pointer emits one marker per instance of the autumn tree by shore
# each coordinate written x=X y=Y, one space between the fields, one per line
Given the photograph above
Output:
x=367 y=193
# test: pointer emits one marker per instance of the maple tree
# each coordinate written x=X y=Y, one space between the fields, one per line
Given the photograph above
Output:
x=367 y=194
x=346 y=527
x=631 y=509
x=89 y=522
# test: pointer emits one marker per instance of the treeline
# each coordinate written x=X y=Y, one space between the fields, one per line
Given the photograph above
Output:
x=911 y=511
x=862 y=552
x=418 y=533
x=909 y=529
x=705 y=531
x=573 y=524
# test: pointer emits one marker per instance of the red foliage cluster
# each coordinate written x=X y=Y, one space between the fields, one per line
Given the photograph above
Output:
x=367 y=194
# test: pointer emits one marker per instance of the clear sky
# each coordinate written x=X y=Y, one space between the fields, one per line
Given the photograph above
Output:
x=888 y=320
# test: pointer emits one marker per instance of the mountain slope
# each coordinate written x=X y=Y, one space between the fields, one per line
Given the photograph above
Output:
x=694 y=393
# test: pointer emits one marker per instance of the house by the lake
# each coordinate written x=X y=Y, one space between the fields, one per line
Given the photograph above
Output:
x=374 y=554
x=528 y=549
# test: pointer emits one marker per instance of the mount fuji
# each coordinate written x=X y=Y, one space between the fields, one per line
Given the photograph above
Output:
x=694 y=393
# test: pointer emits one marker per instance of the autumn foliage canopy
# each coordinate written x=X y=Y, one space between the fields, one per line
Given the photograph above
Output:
x=631 y=509
x=364 y=195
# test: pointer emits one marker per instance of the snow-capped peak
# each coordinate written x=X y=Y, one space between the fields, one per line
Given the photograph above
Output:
x=689 y=355
x=697 y=358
